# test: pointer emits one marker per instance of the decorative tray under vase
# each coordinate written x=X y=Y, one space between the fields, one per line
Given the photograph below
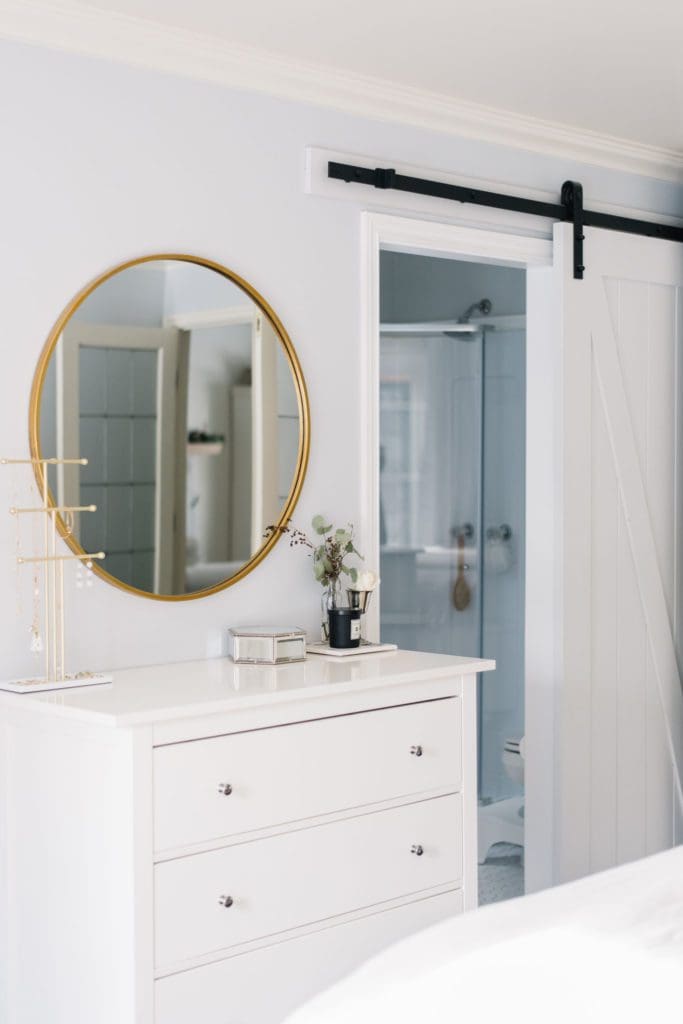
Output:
x=346 y=652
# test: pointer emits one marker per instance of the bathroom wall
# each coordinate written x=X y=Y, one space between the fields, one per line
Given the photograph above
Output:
x=418 y=287
x=102 y=162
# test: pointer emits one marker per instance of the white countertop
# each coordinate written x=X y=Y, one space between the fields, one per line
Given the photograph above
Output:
x=161 y=693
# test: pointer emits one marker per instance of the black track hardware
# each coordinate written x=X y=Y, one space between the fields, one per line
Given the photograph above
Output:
x=569 y=209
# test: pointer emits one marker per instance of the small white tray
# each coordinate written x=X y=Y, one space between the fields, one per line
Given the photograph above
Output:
x=346 y=652
x=43 y=686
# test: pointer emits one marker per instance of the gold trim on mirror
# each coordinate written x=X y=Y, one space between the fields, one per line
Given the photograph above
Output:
x=302 y=401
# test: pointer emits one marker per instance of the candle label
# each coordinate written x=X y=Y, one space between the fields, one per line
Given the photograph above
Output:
x=355 y=629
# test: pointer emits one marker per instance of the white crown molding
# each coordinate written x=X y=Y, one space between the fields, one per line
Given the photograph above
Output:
x=71 y=25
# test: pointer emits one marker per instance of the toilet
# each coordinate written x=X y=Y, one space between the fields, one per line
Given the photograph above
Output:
x=513 y=760
x=503 y=821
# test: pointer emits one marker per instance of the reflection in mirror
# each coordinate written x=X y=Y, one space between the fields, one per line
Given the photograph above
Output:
x=178 y=390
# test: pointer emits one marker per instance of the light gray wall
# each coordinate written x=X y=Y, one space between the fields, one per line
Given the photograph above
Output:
x=103 y=162
x=133 y=298
x=191 y=288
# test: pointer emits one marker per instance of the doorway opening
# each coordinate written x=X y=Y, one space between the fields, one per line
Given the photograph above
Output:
x=452 y=413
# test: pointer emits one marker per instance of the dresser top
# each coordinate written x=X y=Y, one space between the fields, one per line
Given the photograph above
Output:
x=162 y=693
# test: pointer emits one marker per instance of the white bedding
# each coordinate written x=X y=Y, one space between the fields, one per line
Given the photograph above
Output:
x=608 y=948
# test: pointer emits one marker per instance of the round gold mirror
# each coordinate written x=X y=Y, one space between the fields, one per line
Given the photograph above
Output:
x=179 y=385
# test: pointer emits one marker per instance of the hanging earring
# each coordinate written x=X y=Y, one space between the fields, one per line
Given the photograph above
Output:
x=36 y=639
x=89 y=576
x=17 y=542
x=80 y=576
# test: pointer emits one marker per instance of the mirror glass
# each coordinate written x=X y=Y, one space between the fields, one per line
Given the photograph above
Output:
x=181 y=389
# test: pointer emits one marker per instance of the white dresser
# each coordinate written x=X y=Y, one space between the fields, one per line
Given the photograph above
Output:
x=209 y=843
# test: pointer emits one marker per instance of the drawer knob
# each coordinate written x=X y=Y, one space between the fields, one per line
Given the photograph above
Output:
x=225 y=788
x=417 y=850
x=226 y=901
x=416 y=750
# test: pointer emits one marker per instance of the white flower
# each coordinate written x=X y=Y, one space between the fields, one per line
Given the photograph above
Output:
x=367 y=580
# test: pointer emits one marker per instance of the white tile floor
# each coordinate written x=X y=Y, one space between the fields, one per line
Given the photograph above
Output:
x=501 y=877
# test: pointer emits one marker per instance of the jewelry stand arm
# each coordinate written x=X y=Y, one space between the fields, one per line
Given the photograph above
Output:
x=55 y=674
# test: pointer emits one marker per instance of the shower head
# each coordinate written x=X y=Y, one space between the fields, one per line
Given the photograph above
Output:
x=483 y=307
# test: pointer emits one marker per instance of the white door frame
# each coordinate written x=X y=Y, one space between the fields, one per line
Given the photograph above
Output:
x=543 y=462
x=166 y=342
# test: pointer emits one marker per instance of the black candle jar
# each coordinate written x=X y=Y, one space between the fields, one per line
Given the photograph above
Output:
x=344 y=627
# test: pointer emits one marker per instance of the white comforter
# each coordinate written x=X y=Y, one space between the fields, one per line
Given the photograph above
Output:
x=606 y=949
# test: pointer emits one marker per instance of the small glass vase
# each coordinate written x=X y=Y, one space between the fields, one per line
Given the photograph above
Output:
x=332 y=598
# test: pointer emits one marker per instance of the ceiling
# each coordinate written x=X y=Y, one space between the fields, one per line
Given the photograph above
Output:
x=613 y=67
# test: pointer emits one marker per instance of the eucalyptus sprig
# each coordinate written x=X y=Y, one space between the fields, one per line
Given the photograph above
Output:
x=330 y=554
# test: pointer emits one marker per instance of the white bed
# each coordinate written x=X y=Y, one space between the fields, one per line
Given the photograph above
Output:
x=605 y=949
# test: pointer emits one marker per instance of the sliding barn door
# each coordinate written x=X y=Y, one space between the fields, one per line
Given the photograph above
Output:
x=620 y=721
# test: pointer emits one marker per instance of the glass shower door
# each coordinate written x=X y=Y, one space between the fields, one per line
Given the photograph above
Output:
x=501 y=693
x=430 y=457
x=452 y=515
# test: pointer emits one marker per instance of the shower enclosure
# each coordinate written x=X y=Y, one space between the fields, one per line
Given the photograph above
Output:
x=452 y=453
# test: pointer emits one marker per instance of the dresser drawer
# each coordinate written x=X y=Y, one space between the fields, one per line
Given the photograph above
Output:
x=214 y=788
x=213 y=901
x=232 y=991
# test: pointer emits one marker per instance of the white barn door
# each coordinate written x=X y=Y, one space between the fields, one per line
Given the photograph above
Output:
x=620 y=722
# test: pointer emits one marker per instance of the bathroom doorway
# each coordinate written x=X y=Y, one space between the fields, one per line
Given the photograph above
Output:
x=452 y=379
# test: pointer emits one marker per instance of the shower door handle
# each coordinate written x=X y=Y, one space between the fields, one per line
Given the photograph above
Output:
x=502 y=532
x=465 y=530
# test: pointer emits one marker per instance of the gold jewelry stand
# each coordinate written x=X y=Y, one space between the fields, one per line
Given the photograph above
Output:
x=55 y=678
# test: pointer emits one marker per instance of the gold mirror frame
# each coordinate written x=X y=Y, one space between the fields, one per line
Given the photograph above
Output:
x=302 y=402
